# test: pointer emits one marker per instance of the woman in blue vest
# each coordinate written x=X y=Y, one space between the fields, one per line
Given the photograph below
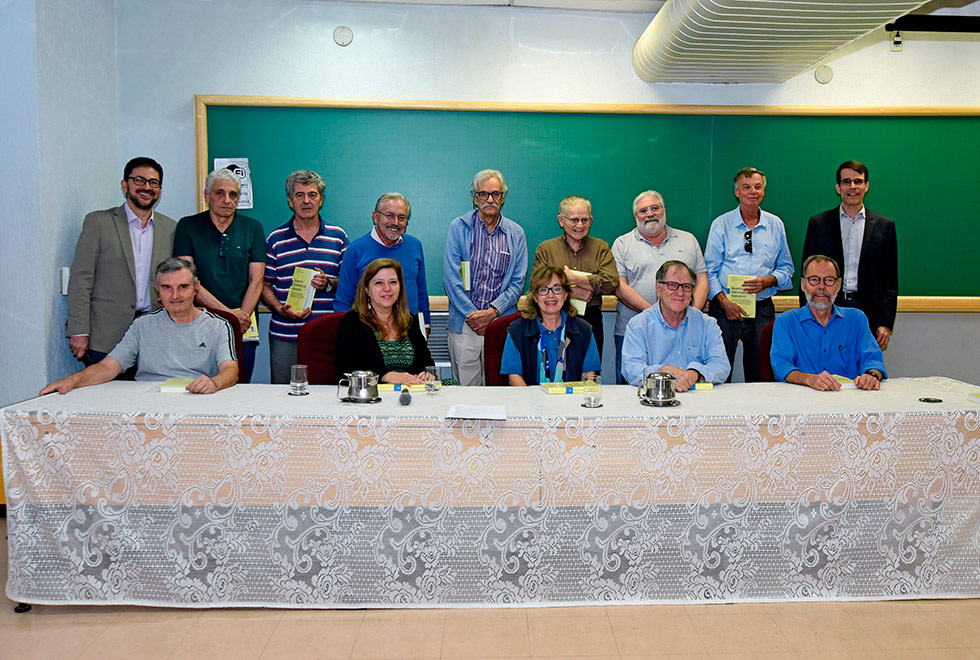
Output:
x=549 y=343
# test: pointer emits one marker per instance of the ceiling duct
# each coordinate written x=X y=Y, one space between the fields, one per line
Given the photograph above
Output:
x=769 y=41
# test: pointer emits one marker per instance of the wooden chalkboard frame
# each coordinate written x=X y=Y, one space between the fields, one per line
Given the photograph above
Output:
x=924 y=304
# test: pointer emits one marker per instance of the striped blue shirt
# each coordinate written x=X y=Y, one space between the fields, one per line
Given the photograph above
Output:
x=489 y=260
x=286 y=250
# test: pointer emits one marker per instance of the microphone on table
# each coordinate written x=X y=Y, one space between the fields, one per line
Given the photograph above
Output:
x=405 y=397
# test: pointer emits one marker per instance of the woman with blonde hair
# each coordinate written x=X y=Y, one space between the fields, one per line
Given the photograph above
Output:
x=549 y=343
x=379 y=334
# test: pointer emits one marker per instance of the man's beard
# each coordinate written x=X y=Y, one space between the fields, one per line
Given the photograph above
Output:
x=820 y=305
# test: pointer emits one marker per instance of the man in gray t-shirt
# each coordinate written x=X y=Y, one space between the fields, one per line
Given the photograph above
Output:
x=640 y=253
x=179 y=341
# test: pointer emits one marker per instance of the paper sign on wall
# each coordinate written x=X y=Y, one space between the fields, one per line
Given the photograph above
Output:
x=240 y=167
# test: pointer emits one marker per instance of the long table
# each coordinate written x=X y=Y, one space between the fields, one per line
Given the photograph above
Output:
x=122 y=494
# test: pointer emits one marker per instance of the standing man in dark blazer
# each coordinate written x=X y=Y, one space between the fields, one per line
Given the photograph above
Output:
x=865 y=247
x=115 y=258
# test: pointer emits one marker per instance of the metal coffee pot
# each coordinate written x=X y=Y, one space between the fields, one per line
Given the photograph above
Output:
x=657 y=389
x=362 y=386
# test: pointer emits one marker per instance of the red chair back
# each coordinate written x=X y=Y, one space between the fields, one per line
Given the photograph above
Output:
x=765 y=346
x=236 y=329
x=316 y=346
x=493 y=348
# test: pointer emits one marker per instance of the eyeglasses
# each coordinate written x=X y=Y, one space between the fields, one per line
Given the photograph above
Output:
x=141 y=181
x=483 y=195
x=827 y=281
x=223 y=245
x=748 y=241
x=557 y=289
x=401 y=217
x=578 y=221
x=672 y=286
x=653 y=208
x=848 y=182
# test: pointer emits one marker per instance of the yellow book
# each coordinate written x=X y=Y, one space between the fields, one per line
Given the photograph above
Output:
x=175 y=384
x=398 y=387
x=845 y=382
x=464 y=272
x=253 y=328
x=571 y=387
x=740 y=296
x=704 y=385
x=301 y=291
x=975 y=397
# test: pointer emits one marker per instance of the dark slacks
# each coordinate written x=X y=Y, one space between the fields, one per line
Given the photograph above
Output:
x=748 y=331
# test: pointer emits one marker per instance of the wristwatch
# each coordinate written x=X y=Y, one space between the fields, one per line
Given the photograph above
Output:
x=875 y=373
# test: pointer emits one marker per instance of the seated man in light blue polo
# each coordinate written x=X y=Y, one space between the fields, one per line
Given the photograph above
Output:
x=674 y=337
x=814 y=345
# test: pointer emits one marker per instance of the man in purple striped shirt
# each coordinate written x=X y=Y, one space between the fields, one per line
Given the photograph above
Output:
x=483 y=272
x=305 y=240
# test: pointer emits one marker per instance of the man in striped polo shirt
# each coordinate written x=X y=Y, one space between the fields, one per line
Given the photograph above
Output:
x=483 y=272
x=305 y=240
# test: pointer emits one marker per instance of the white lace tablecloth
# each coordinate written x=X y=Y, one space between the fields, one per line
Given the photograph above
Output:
x=122 y=494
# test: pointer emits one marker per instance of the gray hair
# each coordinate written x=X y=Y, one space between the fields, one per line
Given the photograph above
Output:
x=819 y=257
x=667 y=265
x=572 y=200
x=172 y=265
x=221 y=175
x=394 y=195
x=748 y=173
x=648 y=193
x=483 y=175
x=306 y=177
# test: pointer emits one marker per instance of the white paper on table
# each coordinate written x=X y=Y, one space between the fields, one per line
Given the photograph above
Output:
x=462 y=411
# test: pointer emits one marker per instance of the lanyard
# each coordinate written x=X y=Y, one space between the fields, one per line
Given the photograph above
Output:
x=544 y=365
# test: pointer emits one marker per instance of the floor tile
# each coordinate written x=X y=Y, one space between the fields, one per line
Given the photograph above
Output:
x=931 y=654
x=499 y=636
x=399 y=638
x=861 y=654
x=740 y=633
x=653 y=633
x=211 y=637
x=146 y=641
x=571 y=636
x=51 y=642
x=312 y=639
x=902 y=625
x=821 y=627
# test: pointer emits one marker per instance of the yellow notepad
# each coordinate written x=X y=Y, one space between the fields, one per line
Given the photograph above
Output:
x=398 y=387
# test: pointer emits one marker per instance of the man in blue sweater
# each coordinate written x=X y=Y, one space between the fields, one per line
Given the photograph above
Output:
x=387 y=239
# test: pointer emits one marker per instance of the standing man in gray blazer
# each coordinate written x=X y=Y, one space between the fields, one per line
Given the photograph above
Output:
x=115 y=258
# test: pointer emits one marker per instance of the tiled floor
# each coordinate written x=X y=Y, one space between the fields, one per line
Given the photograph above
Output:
x=928 y=630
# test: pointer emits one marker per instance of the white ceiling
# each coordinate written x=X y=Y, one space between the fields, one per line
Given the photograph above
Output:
x=731 y=41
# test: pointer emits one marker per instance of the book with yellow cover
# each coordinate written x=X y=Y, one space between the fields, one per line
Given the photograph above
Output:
x=398 y=387
x=175 y=384
x=253 y=329
x=301 y=291
x=975 y=397
x=570 y=387
x=740 y=296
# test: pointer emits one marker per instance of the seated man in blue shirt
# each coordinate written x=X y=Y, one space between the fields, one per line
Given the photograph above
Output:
x=674 y=337
x=813 y=344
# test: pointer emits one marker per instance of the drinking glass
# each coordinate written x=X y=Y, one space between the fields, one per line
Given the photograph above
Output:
x=298 y=380
x=433 y=384
x=592 y=391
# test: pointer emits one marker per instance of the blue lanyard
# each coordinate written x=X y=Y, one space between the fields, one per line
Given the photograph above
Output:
x=544 y=368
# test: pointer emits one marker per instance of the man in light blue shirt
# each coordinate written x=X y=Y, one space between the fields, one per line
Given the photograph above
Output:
x=750 y=242
x=483 y=272
x=816 y=343
x=673 y=337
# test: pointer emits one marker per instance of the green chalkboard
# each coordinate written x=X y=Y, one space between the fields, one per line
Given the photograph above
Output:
x=924 y=171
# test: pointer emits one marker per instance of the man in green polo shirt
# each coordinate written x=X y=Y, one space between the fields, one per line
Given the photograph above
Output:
x=228 y=250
